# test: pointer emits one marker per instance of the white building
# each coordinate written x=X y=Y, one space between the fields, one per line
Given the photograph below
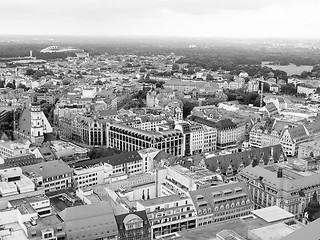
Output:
x=13 y=148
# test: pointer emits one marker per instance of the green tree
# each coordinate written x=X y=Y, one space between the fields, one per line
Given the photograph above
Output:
x=102 y=152
x=289 y=89
x=11 y=85
x=187 y=107
x=30 y=72
x=175 y=67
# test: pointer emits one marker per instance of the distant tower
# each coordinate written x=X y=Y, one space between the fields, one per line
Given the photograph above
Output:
x=36 y=124
x=261 y=96
x=30 y=53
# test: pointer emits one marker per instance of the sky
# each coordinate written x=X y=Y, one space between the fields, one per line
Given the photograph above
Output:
x=165 y=18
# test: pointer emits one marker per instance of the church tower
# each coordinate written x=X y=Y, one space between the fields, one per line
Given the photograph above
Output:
x=37 y=124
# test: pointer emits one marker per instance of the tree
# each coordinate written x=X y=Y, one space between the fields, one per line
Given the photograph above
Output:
x=209 y=77
x=66 y=82
x=175 y=67
x=187 y=107
x=159 y=84
x=191 y=71
x=1 y=84
x=30 y=72
x=99 y=82
x=289 y=89
x=11 y=85
x=24 y=87
x=102 y=152
x=143 y=70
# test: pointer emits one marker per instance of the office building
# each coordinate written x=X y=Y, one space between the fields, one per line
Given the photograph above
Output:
x=130 y=139
x=56 y=174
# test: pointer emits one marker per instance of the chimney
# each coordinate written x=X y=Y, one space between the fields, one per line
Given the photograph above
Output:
x=40 y=168
x=279 y=173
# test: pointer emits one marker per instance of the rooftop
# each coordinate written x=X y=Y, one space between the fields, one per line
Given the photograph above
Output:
x=49 y=169
x=161 y=200
x=272 y=214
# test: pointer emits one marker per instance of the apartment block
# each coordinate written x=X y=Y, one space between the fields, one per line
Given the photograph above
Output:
x=169 y=214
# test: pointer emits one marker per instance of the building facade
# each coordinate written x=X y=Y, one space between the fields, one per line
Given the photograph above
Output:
x=130 y=139
x=169 y=214
x=221 y=203
x=133 y=226
x=280 y=185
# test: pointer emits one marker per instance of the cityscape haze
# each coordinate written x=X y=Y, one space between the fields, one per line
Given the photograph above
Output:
x=159 y=119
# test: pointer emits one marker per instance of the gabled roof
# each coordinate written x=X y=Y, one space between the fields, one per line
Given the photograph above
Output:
x=209 y=195
x=86 y=211
x=114 y=160
x=298 y=132
x=235 y=159
x=24 y=123
x=22 y=160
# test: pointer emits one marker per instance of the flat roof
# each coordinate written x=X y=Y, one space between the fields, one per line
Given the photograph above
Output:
x=275 y=231
x=161 y=200
x=272 y=214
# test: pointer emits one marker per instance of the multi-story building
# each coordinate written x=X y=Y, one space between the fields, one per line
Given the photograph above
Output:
x=14 y=148
x=56 y=174
x=209 y=138
x=264 y=134
x=133 y=226
x=147 y=122
x=68 y=151
x=169 y=214
x=90 y=222
x=93 y=172
x=90 y=175
x=305 y=89
x=175 y=180
x=291 y=138
x=50 y=227
x=231 y=164
x=308 y=149
x=39 y=204
x=47 y=97
x=13 y=182
x=197 y=139
x=253 y=86
x=221 y=203
x=195 y=136
x=87 y=129
x=282 y=185
x=226 y=135
x=130 y=139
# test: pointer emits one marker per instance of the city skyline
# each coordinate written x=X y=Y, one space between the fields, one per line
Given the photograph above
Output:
x=162 y=18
